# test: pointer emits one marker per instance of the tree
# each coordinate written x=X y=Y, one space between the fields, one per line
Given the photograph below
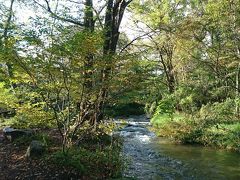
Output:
x=5 y=42
x=112 y=20
x=66 y=65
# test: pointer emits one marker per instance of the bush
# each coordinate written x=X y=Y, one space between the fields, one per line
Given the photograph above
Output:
x=189 y=98
x=29 y=116
x=150 y=108
x=166 y=106
x=223 y=135
x=213 y=125
x=26 y=140
x=215 y=113
x=95 y=164
x=7 y=101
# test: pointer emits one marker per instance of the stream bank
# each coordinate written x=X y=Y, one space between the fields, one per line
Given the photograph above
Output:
x=151 y=157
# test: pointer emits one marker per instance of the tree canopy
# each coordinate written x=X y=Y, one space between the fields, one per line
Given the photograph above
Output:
x=71 y=64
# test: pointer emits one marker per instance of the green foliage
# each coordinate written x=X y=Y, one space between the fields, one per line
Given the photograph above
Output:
x=214 y=125
x=101 y=163
x=29 y=120
x=7 y=98
x=125 y=109
x=161 y=120
x=223 y=135
x=218 y=113
x=150 y=108
x=192 y=95
x=31 y=115
x=26 y=140
x=100 y=137
x=166 y=106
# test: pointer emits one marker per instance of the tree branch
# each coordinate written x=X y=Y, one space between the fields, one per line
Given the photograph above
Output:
x=48 y=9
x=131 y=42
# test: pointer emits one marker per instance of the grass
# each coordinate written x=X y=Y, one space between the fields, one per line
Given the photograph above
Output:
x=225 y=136
x=187 y=129
x=162 y=119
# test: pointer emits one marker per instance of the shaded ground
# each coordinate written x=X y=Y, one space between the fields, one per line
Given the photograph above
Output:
x=14 y=165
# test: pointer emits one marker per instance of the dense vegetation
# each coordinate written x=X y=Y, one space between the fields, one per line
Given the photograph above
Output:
x=196 y=47
x=59 y=72
x=69 y=68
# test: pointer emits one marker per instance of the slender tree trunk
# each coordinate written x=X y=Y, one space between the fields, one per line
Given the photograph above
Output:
x=89 y=26
x=237 y=90
x=88 y=19
x=5 y=37
x=168 y=67
x=7 y=24
x=171 y=83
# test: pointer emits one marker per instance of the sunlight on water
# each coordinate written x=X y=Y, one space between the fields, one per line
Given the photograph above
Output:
x=144 y=138
x=153 y=157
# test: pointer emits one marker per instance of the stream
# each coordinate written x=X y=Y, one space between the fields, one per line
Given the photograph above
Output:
x=151 y=157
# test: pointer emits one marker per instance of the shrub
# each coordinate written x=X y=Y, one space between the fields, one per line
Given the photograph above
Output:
x=98 y=163
x=214 y=125
x=26 y=140
x=7 y=101
x=212 y=114
x=166 y=106
x=29 y=116
x=150 y=108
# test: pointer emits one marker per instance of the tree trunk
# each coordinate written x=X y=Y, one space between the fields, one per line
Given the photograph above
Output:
x=89 y=26
x=114 y=14
x=5 y=38
x=237 y=90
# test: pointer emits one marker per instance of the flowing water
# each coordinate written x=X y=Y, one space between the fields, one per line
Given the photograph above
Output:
x=151 y=157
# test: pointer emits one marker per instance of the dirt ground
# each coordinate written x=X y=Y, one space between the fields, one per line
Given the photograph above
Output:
x=14 y=165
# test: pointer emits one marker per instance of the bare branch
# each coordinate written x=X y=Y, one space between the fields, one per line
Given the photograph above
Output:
x=98 y=17
x=128 y=2
x=76 y=2
x=131 y=42
x=48 y=8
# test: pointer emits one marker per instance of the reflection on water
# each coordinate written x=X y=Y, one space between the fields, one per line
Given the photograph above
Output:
x=158 y=158
x=205 y=163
